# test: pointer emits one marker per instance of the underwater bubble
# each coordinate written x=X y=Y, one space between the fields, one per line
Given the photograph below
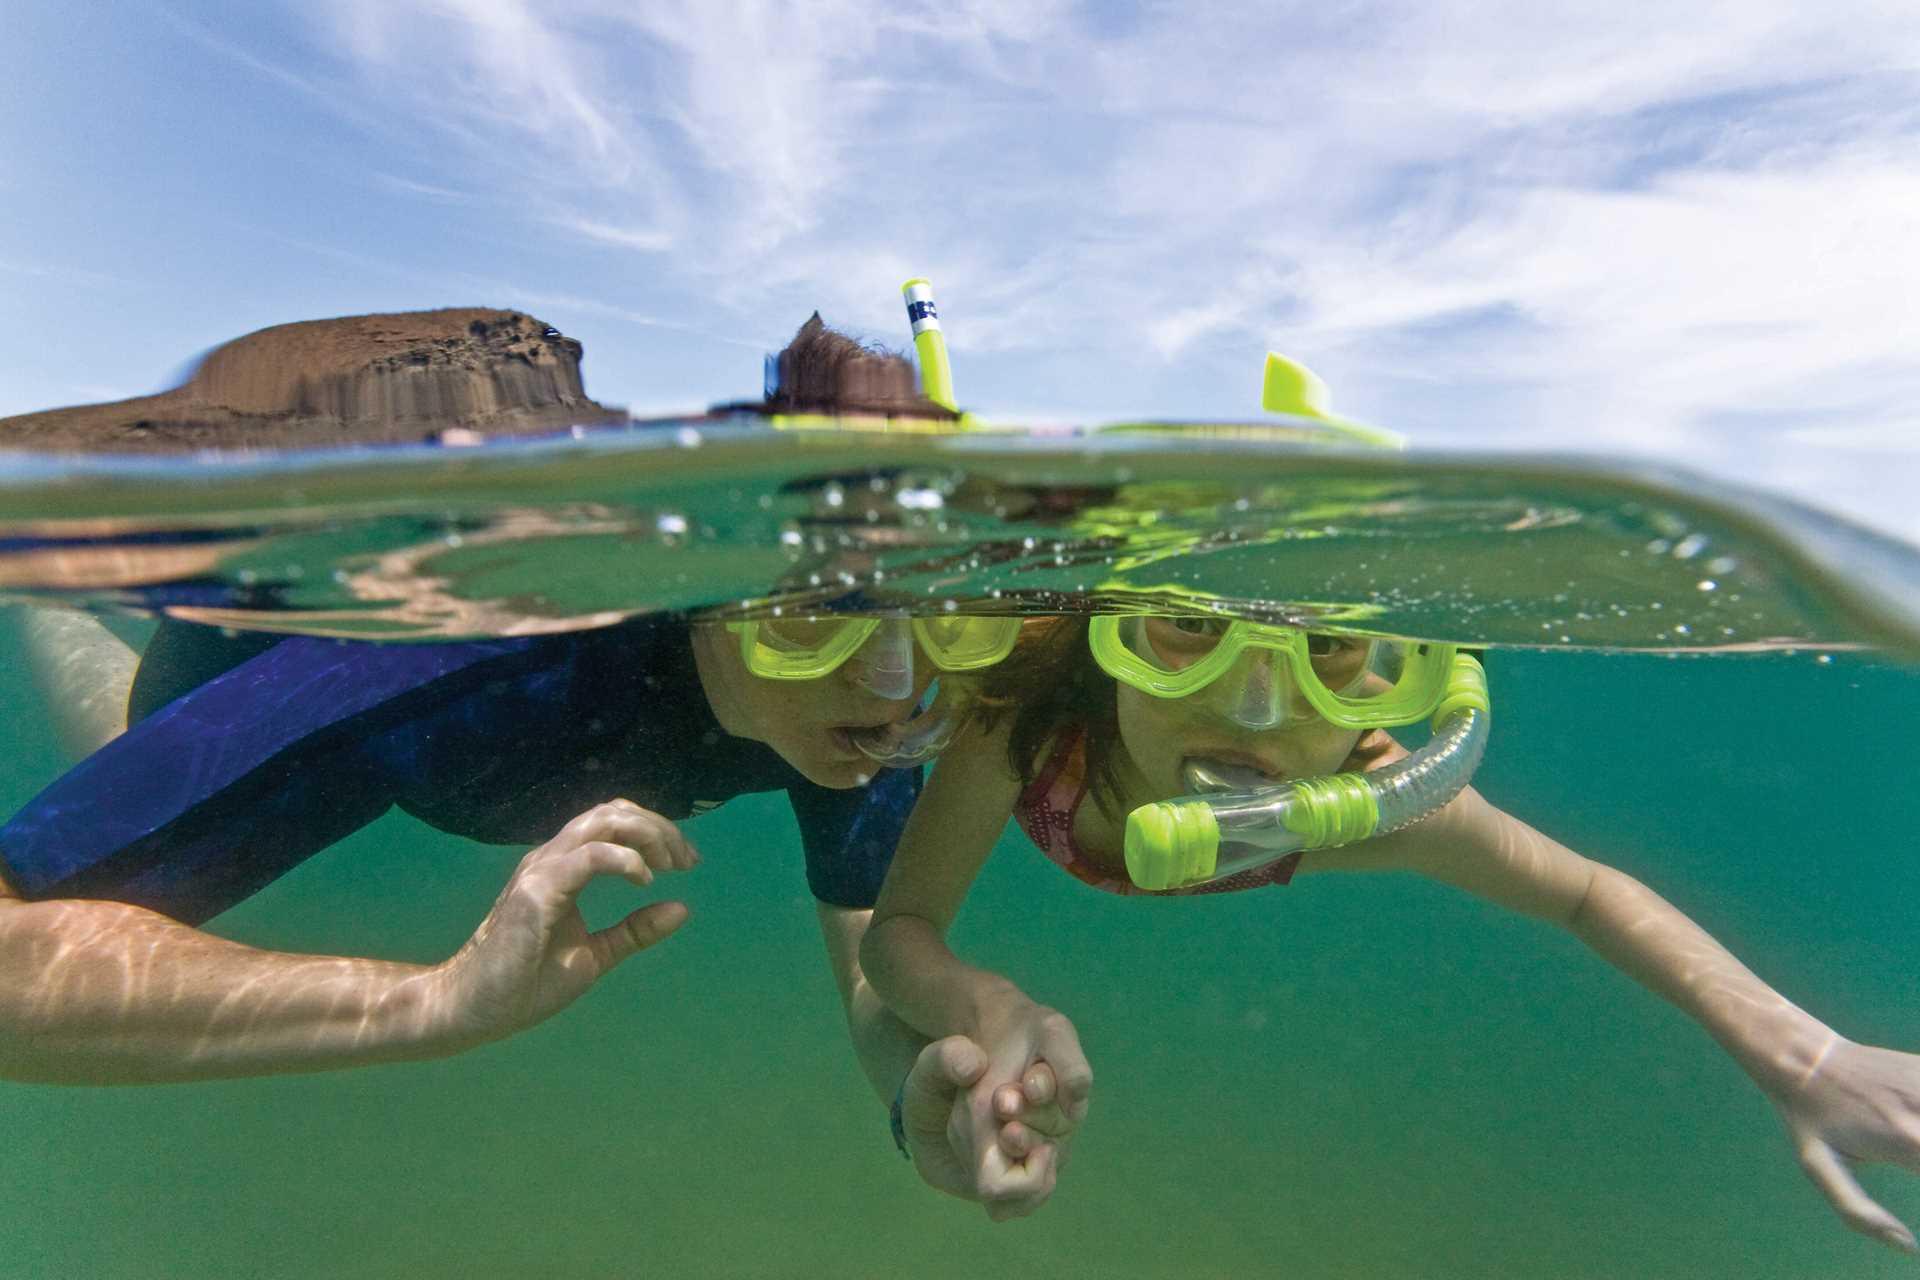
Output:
x=765 y=501
x=687 y=438
x=833 y=495
x=1683 y=629
x=790 y=537
x=1723 y=564
x=1689 y=547
x=453 y=540
x=671 y=524
x=920 y=499
x=1659 y=546
x=1825 y=659
x=1707 y=584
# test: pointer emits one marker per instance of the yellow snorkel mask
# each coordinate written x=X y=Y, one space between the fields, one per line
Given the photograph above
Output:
x=1266 y=677
x=880 y=650
x=812 y=646
x=1236 y=821
x=1262 y=678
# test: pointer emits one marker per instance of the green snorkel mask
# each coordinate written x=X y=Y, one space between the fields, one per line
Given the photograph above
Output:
x=1262 y=678
x=1237 y=821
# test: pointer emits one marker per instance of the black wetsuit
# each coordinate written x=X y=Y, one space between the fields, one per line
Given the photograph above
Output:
x=228 y=786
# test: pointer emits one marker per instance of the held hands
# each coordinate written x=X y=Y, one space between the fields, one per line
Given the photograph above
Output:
x=995 y=1124
x=533 y=955
x=1859 y=1105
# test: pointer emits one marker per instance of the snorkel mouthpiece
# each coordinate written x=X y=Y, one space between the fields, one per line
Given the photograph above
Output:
x=1171 y=843
x=1198 y=838
x=919 y=739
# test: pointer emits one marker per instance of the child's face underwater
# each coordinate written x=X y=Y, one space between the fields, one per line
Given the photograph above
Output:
x=809 y=721
x=1161 y=736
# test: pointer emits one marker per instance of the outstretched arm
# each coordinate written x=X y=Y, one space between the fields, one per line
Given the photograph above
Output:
x=1842 y=1102
x=105 y=993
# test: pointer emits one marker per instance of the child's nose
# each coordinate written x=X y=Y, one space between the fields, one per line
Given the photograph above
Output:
x=883 y=666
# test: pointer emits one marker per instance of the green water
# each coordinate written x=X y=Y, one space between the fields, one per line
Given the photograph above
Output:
x=1350 y=1077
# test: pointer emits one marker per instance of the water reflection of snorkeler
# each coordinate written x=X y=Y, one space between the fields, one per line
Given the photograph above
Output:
x=243 y=758
x=1134 y=712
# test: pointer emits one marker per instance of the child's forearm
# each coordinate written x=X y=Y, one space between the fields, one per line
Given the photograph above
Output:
x=1777 y=1043
x=931 y=989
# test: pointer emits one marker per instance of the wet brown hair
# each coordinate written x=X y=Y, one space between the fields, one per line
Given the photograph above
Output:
x=825 y=371
x=1050 y=683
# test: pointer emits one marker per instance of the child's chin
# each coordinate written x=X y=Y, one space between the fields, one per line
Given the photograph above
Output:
x=842 y=775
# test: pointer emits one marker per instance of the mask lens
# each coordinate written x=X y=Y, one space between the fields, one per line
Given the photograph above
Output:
x=1339 y=662
x=1173 y=644
x=801 y=635
x=801 y=648
x=966 y=644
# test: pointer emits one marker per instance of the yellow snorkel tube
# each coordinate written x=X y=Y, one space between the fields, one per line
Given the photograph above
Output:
x=936 y=373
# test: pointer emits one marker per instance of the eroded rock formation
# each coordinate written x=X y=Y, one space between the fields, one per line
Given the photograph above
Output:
x=355 y=380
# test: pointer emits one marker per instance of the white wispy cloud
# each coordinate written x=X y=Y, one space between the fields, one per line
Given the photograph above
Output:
x=1494 y=222
x=641 y=239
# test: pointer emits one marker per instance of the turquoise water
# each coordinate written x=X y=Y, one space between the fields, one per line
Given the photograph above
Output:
x=1355 y=1076
x=1351 y=1077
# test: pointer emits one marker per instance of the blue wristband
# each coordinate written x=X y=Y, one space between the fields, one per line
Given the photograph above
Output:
x=897 y=1120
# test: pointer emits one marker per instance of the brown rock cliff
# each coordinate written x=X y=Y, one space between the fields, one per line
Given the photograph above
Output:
x=356 y=380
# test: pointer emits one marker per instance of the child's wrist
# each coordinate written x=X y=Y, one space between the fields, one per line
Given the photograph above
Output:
x=1788 y=1060
x=997 y=1006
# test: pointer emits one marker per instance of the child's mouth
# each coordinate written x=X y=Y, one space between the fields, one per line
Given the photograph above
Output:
x=856 y=739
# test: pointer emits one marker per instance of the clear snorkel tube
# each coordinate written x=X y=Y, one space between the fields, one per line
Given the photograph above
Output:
x=1222 y=832
x=922 y=736
x=932 y=727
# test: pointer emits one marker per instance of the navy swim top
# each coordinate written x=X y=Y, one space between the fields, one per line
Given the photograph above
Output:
x=232 y=784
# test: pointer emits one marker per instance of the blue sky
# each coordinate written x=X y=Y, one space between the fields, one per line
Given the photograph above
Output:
x=1510 y=225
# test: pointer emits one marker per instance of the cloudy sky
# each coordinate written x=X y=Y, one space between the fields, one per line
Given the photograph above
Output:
x=1695 y=236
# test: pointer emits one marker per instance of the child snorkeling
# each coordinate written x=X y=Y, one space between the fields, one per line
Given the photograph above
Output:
x=221 y=762
x=1223 y=754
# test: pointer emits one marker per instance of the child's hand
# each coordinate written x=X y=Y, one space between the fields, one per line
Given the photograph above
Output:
x=1859 y=1105
x=935 y=1113
x=1013 y=1126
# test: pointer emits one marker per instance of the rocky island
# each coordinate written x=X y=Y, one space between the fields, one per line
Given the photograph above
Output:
x=376 y=379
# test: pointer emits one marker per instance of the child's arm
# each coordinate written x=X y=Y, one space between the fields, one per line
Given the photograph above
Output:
x=959 y=816
x=1841 y=1101
x=955 y=824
